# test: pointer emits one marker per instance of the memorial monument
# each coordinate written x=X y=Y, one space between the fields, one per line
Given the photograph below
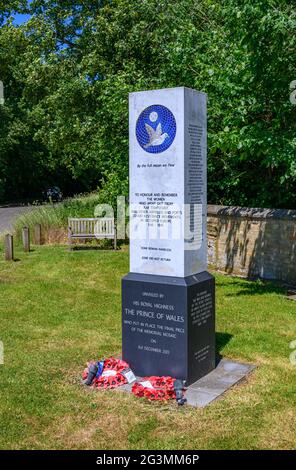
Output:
x=168 y=298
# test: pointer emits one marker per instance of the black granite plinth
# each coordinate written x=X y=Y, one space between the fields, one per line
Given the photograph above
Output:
x=168 y=325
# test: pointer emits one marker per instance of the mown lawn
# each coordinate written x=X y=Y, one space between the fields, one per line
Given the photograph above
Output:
x=60 y=309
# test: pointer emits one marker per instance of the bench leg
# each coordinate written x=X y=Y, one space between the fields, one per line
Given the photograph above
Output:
x=69 y=240
x=115 y=239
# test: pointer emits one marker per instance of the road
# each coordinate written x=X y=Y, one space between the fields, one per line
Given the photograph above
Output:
x=8 y=214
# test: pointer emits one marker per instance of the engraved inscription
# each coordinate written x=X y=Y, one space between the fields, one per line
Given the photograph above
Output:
x=153 y=321
x=201 y=308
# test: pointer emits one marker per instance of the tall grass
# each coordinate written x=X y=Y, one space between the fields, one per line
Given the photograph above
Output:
x=56 y=215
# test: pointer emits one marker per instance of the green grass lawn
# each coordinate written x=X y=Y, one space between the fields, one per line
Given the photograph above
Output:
x=60 y=309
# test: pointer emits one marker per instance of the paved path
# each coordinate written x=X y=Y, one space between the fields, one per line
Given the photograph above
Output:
x=8 y=214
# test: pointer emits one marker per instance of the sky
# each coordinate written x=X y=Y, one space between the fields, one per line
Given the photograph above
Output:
x=19 y=19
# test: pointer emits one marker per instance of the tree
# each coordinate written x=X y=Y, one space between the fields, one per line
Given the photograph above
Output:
x=80 y=59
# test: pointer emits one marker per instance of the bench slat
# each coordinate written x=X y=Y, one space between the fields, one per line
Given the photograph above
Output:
x=91 y=228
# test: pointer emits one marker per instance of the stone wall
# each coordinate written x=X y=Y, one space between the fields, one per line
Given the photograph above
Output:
x=253 y=242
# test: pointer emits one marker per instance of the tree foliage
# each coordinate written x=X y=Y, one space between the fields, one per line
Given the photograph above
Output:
x=68 y=71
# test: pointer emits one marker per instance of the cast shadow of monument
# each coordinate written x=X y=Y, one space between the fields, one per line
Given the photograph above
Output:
x=221 y=340
x=251 y=286
x=255 y=288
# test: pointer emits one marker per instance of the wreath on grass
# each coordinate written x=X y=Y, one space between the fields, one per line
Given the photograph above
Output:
x=161 y=388
x=111 y=376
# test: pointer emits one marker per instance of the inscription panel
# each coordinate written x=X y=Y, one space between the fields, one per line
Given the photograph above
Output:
x=154 y=327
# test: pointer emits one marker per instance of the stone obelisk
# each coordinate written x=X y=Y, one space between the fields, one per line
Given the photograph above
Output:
x=168 y=298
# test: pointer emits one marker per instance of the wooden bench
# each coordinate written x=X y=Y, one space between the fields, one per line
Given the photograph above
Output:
x=94 y=228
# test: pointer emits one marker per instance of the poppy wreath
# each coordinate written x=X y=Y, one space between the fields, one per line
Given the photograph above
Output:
x=163 y=388
x=111 y=381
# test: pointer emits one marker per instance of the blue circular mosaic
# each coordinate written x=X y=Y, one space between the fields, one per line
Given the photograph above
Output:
x=156 y=129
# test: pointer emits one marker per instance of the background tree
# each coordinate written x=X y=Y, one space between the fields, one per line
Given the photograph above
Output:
x=70 y=69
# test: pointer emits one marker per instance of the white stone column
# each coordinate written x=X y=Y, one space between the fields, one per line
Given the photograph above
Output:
x=168 y=183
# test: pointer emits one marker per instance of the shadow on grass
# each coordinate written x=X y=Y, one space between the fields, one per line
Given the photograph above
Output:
x=14 y=260
x=91 y=248
x=221 y=340
x=249 y=287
